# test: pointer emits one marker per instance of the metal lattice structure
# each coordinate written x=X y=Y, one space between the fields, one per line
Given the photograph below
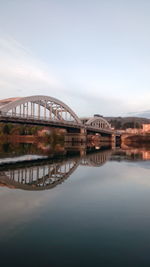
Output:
x=47 y=176
x=38 y=177
x=38 y=107
x=96 y=159
x=96 y=122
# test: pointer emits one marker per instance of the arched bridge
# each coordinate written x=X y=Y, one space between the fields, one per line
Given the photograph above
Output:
x=96 y=159
x=97 y=122
x=49 y=111
x=47 y=175
x=39 y=177
x=38 y=107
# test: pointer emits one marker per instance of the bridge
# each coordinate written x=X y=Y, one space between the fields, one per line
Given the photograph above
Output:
x=46 y=174
x=48 y=111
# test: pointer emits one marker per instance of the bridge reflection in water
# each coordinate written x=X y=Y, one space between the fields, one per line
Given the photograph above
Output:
x=46 y=175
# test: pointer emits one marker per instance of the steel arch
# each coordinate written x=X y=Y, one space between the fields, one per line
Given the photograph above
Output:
x=96 y=159
x=44 y=101
x=98 y=121
x=27 y=178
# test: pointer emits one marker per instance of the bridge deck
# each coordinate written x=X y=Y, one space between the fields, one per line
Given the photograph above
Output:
x=52 y=123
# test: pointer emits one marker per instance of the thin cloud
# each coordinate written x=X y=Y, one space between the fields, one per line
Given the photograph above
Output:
x=22 y=74
x=19 y=70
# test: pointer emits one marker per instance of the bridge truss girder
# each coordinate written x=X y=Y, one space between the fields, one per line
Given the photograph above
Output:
x=40 y=107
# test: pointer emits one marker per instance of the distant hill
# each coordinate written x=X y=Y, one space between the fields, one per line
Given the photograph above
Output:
x=123 y=123
x=142 y=114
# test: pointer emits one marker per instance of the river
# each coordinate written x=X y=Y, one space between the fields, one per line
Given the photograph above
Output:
x=74 y=206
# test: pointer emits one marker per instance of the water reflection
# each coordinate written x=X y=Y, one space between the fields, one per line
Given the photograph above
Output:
x=46 y=174
x=99 y=216
x=131 y=154
x=47 y=168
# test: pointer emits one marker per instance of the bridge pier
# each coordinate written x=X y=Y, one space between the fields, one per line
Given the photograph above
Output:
x=50 y=112
x=113 y=140
x=74 y=137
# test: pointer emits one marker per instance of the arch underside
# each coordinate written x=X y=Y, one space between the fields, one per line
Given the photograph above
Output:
x=97 y=159
x=40 y=107
x=39 y=178
x=50 y=175
x=100 y=123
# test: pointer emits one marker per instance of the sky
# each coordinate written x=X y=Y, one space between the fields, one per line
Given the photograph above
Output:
x=94 y=55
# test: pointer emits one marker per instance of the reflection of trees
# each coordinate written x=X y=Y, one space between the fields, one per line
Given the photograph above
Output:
x=20 y=149
x=131 y=154
x=11 y=149
x=10 y=131
x=48 y=173
x=10 y=128
x=6 y=147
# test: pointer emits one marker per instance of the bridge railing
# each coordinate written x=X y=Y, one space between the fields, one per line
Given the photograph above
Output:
x=46 y=119
x=90 y=127
x=37 y=118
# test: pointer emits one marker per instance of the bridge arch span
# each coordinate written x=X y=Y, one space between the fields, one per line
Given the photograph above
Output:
x=98 y=122
x=96 y=159
x=40 y=177
x=39 y=106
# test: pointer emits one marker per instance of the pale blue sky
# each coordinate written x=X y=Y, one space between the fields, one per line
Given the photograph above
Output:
x=93 y=55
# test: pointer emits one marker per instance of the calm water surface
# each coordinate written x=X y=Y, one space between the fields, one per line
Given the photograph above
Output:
x=92 y=210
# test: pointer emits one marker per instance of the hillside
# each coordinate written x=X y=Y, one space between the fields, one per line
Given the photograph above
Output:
x=127 y=122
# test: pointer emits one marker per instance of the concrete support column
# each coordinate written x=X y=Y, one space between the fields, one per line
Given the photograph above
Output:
x=83 y=131
x=113 y=140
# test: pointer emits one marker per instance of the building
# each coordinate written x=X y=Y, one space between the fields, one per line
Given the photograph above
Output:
x=146 y=128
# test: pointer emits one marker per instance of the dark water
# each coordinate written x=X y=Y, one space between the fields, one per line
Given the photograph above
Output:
x=61 y=209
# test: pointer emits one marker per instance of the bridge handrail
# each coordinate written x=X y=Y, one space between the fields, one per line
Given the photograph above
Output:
x=95 y=128
x=43 y=119
x=18 y=115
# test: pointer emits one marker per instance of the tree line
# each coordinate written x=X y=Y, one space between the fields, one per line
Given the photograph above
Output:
x=119 y=125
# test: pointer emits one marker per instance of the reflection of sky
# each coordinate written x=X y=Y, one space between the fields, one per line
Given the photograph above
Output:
x=21 y=158
x=97 y=214
x=144 y=164
x=18 y=207
x=106 y=188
